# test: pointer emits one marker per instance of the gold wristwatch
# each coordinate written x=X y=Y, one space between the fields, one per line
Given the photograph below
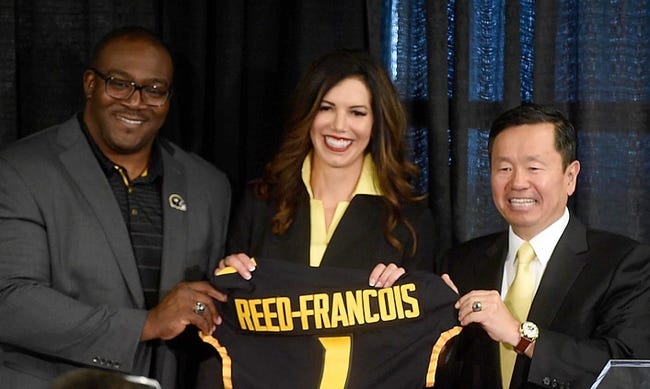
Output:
x=529 y=333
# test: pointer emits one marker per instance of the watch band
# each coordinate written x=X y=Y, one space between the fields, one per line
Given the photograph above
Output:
x=523 y=344
x=529 y=333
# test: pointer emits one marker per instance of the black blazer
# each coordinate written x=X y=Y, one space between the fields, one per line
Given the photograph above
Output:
x=358 y=241
x=592 y=305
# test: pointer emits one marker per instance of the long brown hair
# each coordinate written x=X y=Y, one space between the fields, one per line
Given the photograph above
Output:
x=282 y=182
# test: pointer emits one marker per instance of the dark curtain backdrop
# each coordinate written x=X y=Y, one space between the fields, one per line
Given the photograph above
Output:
x=457 y=65
x=236 y=64
x=591 y=59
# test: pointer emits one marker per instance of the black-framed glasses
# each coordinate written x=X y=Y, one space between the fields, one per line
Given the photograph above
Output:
x=152 y=95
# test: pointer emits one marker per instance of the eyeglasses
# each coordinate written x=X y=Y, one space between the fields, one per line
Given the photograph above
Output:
x=152 y=95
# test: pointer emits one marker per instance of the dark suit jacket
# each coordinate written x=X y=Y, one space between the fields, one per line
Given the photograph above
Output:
x=70 y=294
x=358 y=241
x=593 y=304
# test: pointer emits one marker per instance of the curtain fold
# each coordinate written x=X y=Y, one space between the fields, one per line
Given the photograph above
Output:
x=438 y=118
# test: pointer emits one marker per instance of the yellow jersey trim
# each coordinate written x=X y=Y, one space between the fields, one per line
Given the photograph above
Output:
x=435 y=353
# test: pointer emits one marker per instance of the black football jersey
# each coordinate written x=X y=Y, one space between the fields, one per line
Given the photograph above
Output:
x=294 y=326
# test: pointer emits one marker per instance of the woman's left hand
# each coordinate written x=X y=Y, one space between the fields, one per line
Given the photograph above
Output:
x=384 y=276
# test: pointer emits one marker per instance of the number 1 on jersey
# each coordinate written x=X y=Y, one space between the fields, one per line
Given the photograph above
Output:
x=336 y=361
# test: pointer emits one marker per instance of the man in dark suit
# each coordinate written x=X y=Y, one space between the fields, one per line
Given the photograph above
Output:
x=108 y=232
x=578 y=298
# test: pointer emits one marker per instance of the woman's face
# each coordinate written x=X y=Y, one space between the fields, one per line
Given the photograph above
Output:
x=341 y=129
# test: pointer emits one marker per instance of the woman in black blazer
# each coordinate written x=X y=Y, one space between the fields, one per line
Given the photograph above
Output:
x=338 y=194
x=339 y=191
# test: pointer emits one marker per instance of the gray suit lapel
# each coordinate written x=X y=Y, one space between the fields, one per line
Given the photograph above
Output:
x=84 y=170
x=175 y=221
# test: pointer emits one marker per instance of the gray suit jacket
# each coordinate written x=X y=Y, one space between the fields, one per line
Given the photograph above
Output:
x=592 y=305
x=70 y=294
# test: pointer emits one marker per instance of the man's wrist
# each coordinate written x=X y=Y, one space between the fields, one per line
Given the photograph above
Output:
x=529 y=332
x=148 y=330
x=516 y=335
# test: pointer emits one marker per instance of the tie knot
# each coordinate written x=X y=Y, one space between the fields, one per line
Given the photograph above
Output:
x=525 y=254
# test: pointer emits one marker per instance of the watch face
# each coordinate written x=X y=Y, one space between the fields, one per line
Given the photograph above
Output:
x=529 y=330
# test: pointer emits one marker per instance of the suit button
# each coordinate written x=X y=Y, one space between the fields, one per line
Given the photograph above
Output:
x=546 y=381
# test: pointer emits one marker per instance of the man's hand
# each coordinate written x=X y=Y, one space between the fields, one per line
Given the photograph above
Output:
x=176 y=311
x=384 y=276
x=486 y=308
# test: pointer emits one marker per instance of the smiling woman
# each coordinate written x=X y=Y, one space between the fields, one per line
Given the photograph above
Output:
x=344 y=146
x=338 y=194
x=344 y=109
x=340 y=135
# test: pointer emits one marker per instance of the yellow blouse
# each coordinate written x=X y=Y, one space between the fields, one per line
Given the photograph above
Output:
x=320 y=235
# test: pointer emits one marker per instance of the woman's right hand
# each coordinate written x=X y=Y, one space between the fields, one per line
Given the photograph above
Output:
x=240 y=262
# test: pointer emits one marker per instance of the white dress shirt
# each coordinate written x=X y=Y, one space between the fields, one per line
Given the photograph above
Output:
x=543 y=243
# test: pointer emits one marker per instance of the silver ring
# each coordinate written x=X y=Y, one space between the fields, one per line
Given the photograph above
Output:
x=199 y=307
x=477 y=306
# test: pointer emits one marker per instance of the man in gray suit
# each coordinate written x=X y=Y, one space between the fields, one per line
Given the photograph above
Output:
x=107 y=232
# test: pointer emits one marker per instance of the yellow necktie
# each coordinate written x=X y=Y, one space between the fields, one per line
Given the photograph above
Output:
x=518 y=300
